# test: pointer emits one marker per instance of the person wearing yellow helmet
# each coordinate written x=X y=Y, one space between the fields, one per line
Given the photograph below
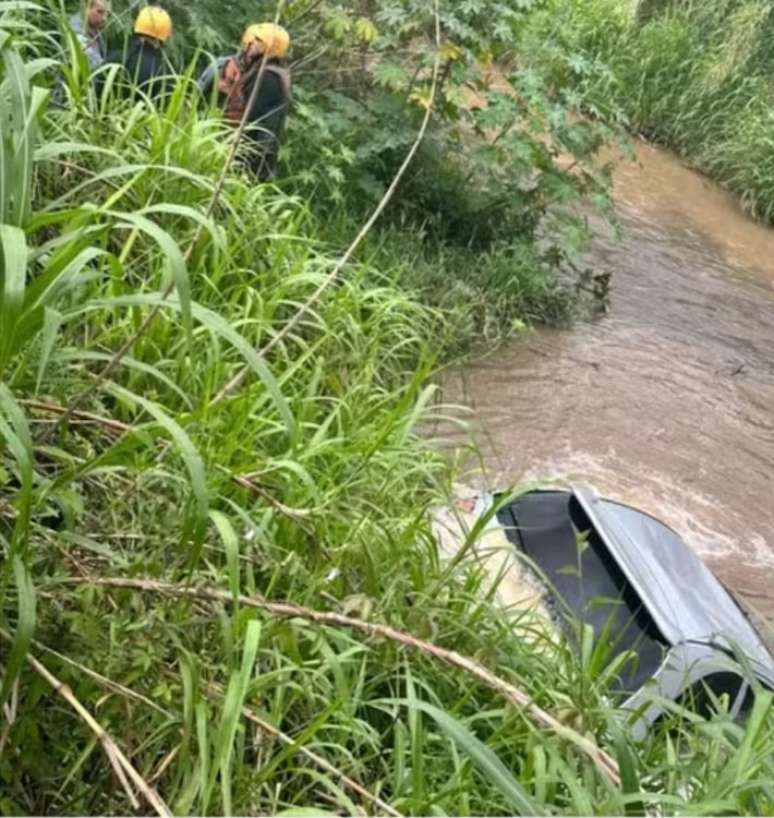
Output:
x=234 y=78
x=144 y=60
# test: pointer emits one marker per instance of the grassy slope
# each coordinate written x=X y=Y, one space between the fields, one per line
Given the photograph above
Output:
x=310 y=484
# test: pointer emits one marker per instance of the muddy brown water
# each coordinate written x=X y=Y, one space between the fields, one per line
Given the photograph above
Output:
x=666 y=403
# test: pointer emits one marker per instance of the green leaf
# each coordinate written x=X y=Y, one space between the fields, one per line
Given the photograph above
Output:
x=231 y=544
x=52 y=321
x=482 y=756
x=13 y=276
x=391 y=75
x=188 y=451
x=20 y=105
x=19 y=441
x=217 y=324
x=130 y=363
x=25 y=627
x=232 y=713
x=365 y=30
x=189 y=213
x=339 y=25
x=175 y=261
x=205 y=761
x=757 y=725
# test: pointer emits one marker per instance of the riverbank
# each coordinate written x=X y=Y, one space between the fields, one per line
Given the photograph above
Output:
x=695 y=78
x=198 y=411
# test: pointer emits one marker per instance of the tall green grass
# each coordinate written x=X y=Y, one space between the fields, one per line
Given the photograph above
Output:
x=695 y=77
x=311 y=484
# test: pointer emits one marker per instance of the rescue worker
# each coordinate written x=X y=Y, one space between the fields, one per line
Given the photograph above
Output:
x=263 y=44
x=88 y=29
x=144 y=59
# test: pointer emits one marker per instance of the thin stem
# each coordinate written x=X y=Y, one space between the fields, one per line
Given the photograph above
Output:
x=238 y=379
x=512 y=694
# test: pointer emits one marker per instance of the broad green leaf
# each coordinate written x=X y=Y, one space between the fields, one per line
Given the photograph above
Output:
x=391 y=75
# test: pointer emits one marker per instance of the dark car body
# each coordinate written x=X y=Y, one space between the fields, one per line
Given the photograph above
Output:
x=641 y=587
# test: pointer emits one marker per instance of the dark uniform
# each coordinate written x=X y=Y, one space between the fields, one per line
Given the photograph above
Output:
x=268 y=112
x=145 y=66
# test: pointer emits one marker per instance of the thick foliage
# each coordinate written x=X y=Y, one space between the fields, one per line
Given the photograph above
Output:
x=493 y=168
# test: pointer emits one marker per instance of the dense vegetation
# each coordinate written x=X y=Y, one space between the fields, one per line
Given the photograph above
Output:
x=133 y=289
x=696 y=77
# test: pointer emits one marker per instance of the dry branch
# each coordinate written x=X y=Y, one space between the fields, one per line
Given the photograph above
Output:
x=298 y=515
x=123 y=768
x=109 y=424
x=512 y=694
x=108 y=684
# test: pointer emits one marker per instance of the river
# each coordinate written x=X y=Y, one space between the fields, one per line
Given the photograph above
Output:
x=667 y=402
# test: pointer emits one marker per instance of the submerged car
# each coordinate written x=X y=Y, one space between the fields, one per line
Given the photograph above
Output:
x=636 y=583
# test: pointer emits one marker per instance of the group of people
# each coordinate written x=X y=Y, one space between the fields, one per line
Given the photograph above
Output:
x=252 y=85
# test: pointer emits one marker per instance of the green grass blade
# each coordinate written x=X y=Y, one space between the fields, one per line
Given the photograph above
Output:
x=189 y=453
x=19 y=441
x=232 y=714
x=205 y=758
x=25 y=627
x=217 y=324
x=175 y=262
x=231 y=544
x=52 y=322
x=13 y=275
x=482 y=756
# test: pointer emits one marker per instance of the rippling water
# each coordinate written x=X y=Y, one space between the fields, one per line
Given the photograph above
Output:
x=667 y=402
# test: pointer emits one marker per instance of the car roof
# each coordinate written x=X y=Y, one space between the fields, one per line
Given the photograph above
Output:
x=684 y=598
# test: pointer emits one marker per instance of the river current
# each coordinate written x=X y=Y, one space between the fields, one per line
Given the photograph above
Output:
x=667 y=402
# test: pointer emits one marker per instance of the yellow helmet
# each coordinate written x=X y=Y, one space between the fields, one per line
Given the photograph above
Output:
x=154 y=22
x=274 y=37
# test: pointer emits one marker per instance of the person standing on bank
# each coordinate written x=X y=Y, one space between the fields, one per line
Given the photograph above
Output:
x=88 y=29
x=263 y=47
x=144 y=59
